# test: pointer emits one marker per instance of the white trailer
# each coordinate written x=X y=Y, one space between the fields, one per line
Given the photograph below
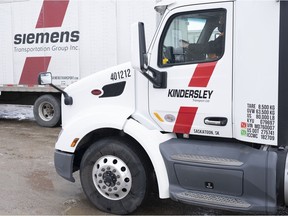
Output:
x=72 y=38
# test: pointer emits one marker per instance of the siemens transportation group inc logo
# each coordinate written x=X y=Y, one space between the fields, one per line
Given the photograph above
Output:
x=40 y=38
x=45 y=41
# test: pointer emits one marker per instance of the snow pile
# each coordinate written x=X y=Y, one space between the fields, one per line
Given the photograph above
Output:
x=19 y=112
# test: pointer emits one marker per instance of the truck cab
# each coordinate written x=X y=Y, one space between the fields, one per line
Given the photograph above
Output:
x=200 y=114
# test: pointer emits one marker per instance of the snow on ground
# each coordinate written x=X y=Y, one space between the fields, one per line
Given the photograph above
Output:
x=20 y=112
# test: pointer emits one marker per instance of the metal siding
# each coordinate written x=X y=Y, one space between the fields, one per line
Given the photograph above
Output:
x=6 y=55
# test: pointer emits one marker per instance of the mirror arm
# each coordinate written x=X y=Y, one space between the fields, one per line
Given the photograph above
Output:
x=68 y=100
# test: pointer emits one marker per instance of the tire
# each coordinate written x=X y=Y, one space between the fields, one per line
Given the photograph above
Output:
x=114 y=177
x=47 y=111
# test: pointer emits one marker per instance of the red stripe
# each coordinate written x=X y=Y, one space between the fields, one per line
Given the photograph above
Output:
x=185 y=119
x=186 y=115
x=202 y=74
x=32 y=67
x=52 y=13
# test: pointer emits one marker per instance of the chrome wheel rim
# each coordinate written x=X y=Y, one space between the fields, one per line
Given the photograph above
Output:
x=112 y=177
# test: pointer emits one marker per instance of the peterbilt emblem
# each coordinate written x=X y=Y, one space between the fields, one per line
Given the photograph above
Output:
x=169 y=118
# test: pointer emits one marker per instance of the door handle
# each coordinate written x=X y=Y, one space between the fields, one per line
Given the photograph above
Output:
x=216 y=121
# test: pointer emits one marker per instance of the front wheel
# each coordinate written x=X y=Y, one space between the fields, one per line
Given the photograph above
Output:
x=114 y=177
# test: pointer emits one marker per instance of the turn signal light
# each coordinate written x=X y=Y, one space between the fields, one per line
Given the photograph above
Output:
x=75 y=141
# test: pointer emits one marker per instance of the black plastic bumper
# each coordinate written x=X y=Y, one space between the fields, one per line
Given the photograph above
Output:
x=63 y=163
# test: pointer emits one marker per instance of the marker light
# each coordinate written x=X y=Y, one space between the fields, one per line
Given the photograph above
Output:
x=96 y=92
x=73 y=144
x=158 y=117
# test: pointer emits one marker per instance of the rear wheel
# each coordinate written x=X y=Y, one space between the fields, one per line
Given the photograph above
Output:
x=47 y=111
x=114 y=177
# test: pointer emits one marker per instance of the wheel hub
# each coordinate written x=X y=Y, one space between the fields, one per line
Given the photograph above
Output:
x=46 y=111
x=109 y=178
x=112 y=177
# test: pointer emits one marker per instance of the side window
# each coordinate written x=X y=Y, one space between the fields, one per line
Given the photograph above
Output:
x=193 y=37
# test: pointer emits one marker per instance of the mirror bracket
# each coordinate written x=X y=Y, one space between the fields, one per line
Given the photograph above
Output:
x=159 y=79
x=68 y=100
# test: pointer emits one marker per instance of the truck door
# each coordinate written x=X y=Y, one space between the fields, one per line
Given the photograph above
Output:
x=195 y=49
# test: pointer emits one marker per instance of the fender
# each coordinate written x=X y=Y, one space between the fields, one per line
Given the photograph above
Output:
x=90 y=111
x=149 y=139
x=89 y=121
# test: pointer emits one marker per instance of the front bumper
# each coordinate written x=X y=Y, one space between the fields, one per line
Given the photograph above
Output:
x=63 y=163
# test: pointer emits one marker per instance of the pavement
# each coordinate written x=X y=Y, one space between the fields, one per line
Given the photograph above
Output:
x=29 y=184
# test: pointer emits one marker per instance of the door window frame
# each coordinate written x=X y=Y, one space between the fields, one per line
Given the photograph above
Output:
x=166 y=28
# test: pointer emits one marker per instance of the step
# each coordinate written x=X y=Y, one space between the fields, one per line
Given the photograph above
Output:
x=206 y=159
x=212 y=199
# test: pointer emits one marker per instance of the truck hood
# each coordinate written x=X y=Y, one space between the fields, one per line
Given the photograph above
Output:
x=111 y=89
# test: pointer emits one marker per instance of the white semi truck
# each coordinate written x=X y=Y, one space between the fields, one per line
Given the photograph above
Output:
x=72 y=38
x=201 y=114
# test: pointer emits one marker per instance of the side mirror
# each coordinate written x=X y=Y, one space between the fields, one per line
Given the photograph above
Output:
x=45 y=78
x=139 y=57
x=138 y=47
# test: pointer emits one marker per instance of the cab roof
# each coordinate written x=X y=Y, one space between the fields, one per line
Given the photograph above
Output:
x=175 y=3
x=162 y=5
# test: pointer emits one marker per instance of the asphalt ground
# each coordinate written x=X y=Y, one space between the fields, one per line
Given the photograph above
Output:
x=30 y=186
